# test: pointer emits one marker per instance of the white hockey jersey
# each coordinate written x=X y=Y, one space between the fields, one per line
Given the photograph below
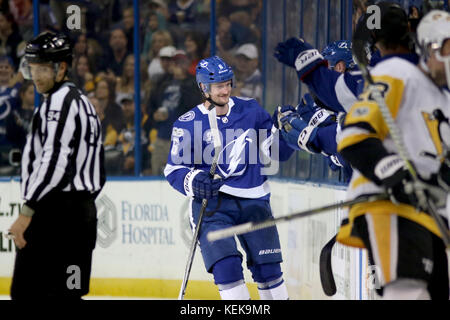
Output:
x=413 y=100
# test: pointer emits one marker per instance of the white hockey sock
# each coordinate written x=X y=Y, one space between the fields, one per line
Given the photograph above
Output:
x=406 y=289
x=273 y=290
x=234 y=291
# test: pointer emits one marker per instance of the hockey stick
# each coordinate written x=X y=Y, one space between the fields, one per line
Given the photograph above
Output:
x=361 y=60
x=253 y=226
x=217 y=146
x=325 y=268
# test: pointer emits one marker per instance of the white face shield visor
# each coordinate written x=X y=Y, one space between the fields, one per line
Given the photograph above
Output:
x=432 y=32
x=446 y=61
x=24 y=68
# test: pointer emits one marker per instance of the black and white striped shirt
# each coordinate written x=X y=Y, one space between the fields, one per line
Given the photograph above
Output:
x=64 y=150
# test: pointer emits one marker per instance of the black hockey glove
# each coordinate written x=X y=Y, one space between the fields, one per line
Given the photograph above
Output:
x=398 y=182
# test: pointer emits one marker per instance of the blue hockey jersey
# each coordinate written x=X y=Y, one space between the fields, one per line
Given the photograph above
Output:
x=339 y=91
x=248 y=144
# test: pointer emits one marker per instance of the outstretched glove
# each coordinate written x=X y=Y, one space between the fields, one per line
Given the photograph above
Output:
x=297 y=133
x=201 y=185
x=310 y=112
x=298 y=54
x=281 y=112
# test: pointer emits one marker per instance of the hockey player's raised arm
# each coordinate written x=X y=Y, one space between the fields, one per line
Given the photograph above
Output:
x=336 y=90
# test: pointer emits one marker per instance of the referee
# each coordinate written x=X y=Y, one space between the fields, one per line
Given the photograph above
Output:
x=62 y=173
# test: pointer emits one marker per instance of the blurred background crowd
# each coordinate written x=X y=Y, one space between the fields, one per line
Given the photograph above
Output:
x=174 y=37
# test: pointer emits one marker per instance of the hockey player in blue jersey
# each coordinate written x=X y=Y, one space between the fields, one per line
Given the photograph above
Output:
x=241 y=194
x=339 y=91
x=312 y=126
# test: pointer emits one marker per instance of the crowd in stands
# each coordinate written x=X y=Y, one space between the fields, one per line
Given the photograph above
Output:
x=174 y=37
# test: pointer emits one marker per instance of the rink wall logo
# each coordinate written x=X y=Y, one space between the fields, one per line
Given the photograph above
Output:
x=145 y=224
x=73 y=21
x=8 y=212
x=374 y=20
x=107 y=221
x=240 y=148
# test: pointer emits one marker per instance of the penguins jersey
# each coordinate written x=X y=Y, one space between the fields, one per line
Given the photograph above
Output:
x=413 y=99
x=248 y=145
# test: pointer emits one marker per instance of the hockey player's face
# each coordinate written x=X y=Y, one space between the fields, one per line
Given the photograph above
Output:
x=43 y=76
x=220 y=92
x=340 y=67
x=437 y=67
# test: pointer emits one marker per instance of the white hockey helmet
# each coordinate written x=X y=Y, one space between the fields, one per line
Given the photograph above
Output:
x=432 y=31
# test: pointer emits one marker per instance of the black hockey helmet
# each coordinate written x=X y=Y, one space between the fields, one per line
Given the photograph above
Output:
x=393 y=30
x=394 y=25
x=49 y=47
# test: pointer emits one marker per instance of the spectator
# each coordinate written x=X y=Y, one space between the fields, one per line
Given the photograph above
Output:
x=174 y=94
x=80 y=45
x=9 y=36
x=230 y=35
x=125 y=83
x=82 y=75
x=116 y=52
x=194 y=44
x=248 y=75
x=228 y=7
x=22 y=10
x=414 y=17
x=160 y=7
x=182 y=17
x=160 y=39
x=127 y=138
x=18 y=123
x=105 y=94
x=160 y=66
x=94 y=53
x=8 y=103
x=127 y=25
x=110 y=135
x=153 y=25
x=182 y=12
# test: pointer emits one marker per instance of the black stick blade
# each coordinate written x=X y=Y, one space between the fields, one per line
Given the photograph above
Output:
x=326 y=270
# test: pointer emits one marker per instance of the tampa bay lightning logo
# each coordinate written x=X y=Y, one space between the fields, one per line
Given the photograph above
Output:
x=187 y=116
x=234 y=155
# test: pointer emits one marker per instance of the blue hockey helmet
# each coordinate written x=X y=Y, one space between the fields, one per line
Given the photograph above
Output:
x=339 y=51
x=212 y=70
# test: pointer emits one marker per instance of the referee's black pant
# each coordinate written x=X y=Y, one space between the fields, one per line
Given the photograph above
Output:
x=56 y=261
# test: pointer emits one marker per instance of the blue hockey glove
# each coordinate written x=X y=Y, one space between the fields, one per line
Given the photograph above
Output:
x=199 y=184
x=280 y=112
x=298 y=134
x=334 y=163
x=298 y=54
x=313 y=114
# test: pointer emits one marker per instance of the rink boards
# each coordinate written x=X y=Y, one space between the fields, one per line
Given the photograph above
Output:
x=144 y=238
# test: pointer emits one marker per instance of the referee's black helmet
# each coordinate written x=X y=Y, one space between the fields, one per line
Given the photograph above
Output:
x=49 y=47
